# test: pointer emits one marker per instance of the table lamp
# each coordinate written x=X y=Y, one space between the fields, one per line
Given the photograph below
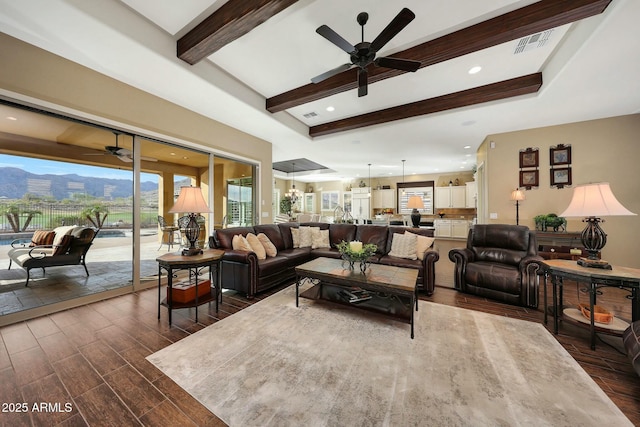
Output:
x=593 y=201
x=415 y=203
x=191 y=201
x=517 y=195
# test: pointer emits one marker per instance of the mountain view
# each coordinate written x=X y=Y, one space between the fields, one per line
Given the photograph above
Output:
x=15 y=183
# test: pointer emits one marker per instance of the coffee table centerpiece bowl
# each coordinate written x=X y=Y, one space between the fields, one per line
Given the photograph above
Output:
x=355 y=251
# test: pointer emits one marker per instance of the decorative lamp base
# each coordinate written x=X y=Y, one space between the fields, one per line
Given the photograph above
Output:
x=594 y=263
x=415 y=218
x=191 y=251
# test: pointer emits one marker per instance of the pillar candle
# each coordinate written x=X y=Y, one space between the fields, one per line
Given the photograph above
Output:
x=355 y=246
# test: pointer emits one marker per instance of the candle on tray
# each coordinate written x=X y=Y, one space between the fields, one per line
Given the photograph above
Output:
x=355 y=246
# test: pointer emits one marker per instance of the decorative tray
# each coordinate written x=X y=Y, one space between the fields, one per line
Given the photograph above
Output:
x=617 y=325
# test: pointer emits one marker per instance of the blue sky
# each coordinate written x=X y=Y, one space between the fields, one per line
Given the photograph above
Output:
x=43 y=167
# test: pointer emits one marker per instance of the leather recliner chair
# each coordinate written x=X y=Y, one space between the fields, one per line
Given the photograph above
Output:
x=500 y=262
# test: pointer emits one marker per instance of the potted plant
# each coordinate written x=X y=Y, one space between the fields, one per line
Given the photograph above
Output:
x=543 y=222
x=286 y=205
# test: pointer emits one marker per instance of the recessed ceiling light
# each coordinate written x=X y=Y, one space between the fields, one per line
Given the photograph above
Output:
x=466 y=147
x=330 y=108
x=474 y=70
x=11 y=118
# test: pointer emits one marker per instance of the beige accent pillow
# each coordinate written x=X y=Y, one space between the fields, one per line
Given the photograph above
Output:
x=239 y=243
x=256 y=246
x=319 y=238
x=61 y=232
x=269 y=247
x=423 y=244
x=295 y=237
x=404 y=246
x=306 y=237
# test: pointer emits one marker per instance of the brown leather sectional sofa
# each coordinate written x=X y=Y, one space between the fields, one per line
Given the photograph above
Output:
x=243 y=272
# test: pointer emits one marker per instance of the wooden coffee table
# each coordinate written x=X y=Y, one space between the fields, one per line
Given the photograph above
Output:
x=393 y=290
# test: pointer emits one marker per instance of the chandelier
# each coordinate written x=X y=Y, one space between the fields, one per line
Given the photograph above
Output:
x=293 y=192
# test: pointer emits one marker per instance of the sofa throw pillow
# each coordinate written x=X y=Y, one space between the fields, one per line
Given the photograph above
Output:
x=422 y=245
x=42 y=238
x=295 y=237
x=404 y=246
x=319 y=238
x=256 y=246
x=239 y=243
x=306 y=236
x=269 y=247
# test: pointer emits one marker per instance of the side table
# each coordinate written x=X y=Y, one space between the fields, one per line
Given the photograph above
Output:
x=595 y=279
x=176 y=261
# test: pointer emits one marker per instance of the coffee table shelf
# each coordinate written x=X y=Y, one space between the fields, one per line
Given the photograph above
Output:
x=394 y=289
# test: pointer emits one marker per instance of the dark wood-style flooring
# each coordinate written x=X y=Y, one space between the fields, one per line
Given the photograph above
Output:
x=88 y=366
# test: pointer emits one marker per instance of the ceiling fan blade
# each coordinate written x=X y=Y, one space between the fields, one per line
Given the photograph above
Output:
x=398 y=64
x=335 y=38
x=330 y=73
x=401 y=20
x=362 y=82
x=123 y=152
x=125 y=159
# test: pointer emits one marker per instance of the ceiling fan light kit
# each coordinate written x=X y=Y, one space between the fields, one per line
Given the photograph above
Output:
x=363 y=54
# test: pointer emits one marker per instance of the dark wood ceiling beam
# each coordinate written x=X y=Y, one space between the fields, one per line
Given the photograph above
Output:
x=525 y=21
x=233 y=20
x=492 y=92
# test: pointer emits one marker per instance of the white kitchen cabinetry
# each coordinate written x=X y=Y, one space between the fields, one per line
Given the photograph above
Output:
x=451 y=197
x=459 y=229
x=472 y=194
x=360 y=203
x=451 y=228
x=383 y=199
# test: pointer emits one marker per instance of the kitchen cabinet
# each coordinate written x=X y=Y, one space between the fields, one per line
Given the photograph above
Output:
x=472 y=194
x=451 y=197
x=383 y=199
x=458 y=228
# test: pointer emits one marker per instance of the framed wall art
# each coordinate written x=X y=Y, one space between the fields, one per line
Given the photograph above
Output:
x=529 y=179
x=529 y=158
x=561 y=177
x=560 y=155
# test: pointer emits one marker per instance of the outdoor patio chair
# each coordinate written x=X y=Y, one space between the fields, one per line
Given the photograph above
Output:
x=167 y=233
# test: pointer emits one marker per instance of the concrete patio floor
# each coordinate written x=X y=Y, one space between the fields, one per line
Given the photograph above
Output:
x=109 y=265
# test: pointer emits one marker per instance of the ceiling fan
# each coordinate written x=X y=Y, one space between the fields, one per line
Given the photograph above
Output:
x=364 y=53
x=123 y=154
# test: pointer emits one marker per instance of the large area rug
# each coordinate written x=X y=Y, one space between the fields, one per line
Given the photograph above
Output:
x=273 y=364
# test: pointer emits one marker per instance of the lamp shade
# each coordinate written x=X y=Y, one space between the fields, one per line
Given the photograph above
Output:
x=190 y=200
x=594 y=200
x=517 y=195
x=415 y=202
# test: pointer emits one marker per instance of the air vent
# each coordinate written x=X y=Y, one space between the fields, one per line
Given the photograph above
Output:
x=533 y=41
x=310 y=115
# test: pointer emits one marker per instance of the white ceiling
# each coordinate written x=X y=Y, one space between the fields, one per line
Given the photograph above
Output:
x=590 y=70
